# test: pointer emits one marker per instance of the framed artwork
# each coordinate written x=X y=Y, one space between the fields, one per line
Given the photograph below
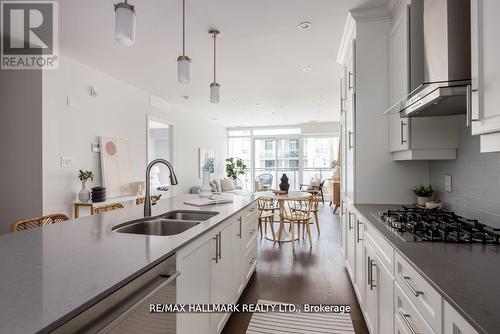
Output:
x=116 y=166
x=207 y=160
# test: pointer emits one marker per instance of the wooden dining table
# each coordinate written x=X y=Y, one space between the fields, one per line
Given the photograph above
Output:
x=281 y=197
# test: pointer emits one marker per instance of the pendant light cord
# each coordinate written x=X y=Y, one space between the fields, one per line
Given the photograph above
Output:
x=215 y=59
x=183 y=27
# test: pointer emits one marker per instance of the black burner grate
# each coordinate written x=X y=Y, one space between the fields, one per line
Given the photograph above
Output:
x=439 y=226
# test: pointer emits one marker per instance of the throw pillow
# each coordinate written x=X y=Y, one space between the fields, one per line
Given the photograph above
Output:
x=227 y=184
x=213 y=184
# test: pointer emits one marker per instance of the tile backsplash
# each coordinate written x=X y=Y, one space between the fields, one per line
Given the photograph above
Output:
x=475 y=180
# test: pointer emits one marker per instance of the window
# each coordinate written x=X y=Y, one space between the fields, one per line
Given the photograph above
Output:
x=271 y=152
x=270 y=163
x=276 y=132
x=318 y=153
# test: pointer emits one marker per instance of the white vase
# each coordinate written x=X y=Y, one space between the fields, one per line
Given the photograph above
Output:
x=422 y=200
x=206 y=189
x=84 y=194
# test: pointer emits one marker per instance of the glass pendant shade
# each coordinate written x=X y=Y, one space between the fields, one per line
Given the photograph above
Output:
x=183 y=63
x=214 y=92
x=125 y=24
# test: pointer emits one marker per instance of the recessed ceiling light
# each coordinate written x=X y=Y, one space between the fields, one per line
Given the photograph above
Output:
x=320 y=96
x=306 y=69
x=259 y=104
x=305 y=25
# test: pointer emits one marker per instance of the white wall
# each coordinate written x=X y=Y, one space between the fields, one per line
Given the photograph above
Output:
x=120 y=111
x=20 y=146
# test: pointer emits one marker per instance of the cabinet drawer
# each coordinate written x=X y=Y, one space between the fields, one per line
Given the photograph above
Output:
x=249 y=229
x=250 y=260
x=422 y=294
x=383 y=249
x=407 y=316
x=249 y=212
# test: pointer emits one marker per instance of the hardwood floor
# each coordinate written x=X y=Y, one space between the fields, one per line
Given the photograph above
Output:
x=311 y=276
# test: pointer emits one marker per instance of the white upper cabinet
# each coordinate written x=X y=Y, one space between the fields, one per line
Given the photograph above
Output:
x=422 y=138
x=484 y=115
x=399 y=79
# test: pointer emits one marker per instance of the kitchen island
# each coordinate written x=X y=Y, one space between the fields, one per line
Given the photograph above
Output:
x=51 y=274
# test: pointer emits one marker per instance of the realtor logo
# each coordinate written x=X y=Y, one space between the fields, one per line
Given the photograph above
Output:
x=29 y=35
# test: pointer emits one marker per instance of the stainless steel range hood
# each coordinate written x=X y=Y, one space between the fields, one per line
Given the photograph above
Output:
x=439 y=59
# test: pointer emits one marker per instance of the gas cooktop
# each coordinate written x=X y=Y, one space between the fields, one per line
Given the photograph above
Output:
x=415 y=224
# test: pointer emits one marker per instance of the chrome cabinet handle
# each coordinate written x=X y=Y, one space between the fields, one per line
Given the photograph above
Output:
x=134 y=307
x=403 y=141
x=240 y=221
x=406 y=280
x=368 y=271
x=216 y=258
x=350 y=140
x=470 y=112
x=371 y=264
x=220 y=245
x=357 y=232
x=468 y=104
x=405 y=318
x=349 y=77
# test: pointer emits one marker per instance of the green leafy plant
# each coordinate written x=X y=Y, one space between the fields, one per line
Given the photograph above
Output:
x=334 y=164
x=423 y=191
x=85 y=175
x=235 y=167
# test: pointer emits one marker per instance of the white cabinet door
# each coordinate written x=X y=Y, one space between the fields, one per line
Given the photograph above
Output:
x=399 y=80
x=358 y=240
x=350 y=123
x=222 y=274
x=379 y=293
x=485 y=66
x=454 y=323
x=371 y=302
x=239 y=273
x=385 y=298
x=194 y=284
x=343 y=155
x=350 y=244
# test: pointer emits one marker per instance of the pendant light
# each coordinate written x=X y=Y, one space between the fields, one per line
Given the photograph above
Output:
x=183 y=61
x=214 y=86
x=124 y=23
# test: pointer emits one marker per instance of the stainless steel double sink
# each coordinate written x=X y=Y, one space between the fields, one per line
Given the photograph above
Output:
x=169 y=223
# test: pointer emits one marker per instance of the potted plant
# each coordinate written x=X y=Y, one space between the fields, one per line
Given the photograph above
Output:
x=84 y=176
x=335 y=165
x=235 y=167
x=424 y=193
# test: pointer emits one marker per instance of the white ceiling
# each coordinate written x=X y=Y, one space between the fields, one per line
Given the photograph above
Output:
x=260 y=54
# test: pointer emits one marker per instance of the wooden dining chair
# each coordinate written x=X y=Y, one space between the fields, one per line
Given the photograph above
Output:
x=106 y=208
x=297 y=212
x=154 y=199
x=266 y=207
x=316 y=199
x=26 y=224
